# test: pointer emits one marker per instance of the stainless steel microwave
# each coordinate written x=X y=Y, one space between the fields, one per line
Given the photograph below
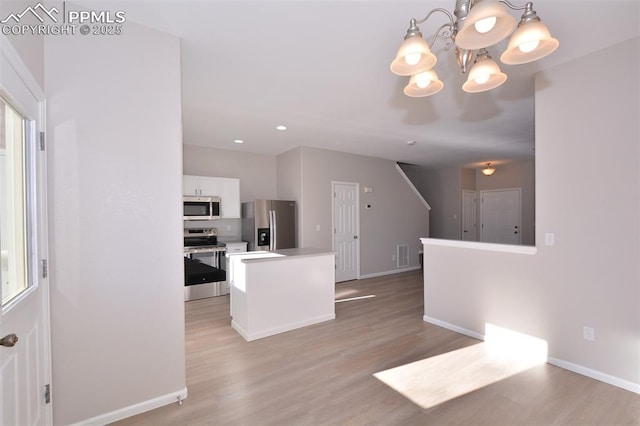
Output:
x=201 y=208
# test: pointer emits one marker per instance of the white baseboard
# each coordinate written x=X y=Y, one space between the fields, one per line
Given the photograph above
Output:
x=588 y=372
x=134 y=409
x=240 y=330
x=453 y=327
x=391 y=272
x=606 y=378
x=281 y=329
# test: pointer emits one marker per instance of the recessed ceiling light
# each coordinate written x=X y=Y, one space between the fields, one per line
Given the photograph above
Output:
x=281 y=127
x=411 y=143
x=238 y=141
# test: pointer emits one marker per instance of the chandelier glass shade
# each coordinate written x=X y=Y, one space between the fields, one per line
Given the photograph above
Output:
x=484 y=75
x=488 y=170
x=486 y=24
x=530 y=42
x=423 y=84
x=477 y=25
x=414 y=54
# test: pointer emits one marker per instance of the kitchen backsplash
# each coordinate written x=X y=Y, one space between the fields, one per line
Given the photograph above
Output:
x=228 y=229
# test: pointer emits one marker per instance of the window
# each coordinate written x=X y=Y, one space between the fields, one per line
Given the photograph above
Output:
x=13 y=204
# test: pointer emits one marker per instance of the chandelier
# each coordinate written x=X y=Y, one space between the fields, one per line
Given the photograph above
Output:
x=478 y=24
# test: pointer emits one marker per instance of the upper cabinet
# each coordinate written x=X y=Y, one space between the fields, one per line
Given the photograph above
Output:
x=229 y=198
x=200 y=185
x=228 y=189
x=190 y=185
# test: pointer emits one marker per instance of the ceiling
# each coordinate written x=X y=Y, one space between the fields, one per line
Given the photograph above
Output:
x=322 y=69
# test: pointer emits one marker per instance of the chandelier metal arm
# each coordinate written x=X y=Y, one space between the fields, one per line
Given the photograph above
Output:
x=528 y=15
x=444 y=32
x=526 y=6
x=466 y=31
x=445 y=11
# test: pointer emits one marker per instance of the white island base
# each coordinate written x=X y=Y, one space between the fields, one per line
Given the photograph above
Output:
x=274 y=292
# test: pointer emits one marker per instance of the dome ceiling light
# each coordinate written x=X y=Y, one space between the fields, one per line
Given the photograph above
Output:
x=488 y=170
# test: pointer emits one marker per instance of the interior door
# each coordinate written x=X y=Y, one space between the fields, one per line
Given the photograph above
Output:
x=346 y=229
x=500 y=216
x=25 y=369
x=469 y=215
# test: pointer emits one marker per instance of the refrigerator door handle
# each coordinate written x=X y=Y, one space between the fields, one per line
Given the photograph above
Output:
x=271 y=230
x=274 y=232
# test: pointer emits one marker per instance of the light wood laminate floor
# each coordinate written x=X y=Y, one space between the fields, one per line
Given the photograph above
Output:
x=323 y=374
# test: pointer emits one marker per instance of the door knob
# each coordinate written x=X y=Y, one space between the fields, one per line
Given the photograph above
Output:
x=355 y=237
x=9 y=340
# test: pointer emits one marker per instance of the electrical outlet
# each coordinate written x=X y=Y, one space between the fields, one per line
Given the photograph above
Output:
x=393 y=257
x=588 y=333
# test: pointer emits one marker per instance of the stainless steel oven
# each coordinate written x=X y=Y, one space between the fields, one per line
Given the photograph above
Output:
x=204 y=273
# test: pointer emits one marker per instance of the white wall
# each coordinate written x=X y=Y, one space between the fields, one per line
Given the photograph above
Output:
x=257 y=172
x=115 y=168
x=289 y=181
x=29 y=47
x=515 y=175
x=591 y=275
x=290 y=175
x=442 y=190
x=468 y=179
x=397 y=215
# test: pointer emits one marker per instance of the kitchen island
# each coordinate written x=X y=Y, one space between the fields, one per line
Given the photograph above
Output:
x=277 y=291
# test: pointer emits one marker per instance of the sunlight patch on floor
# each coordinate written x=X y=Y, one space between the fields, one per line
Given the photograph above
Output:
x=438 y=379
x=345 y=292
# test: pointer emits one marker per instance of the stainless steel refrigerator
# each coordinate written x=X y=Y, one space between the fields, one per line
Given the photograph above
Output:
x=269 y=224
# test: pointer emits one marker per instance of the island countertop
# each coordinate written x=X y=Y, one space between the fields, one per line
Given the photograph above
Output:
x=261 y=256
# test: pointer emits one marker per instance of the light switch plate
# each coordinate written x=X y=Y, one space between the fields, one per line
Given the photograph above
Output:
x=549 y=239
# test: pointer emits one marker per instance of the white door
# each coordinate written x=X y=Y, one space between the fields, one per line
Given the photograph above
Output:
x=346 y=230
x=468 y=215
x=25 y=369
x=500 y=216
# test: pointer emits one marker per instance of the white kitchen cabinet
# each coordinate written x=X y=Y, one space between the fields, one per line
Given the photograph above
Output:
x=211 y=186
x=228 y=189
x=191 y=185
x=236 y=247
x=201 y=185
x=229 y=198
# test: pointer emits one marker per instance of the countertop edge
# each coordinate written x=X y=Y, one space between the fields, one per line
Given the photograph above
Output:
x=252 y=257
